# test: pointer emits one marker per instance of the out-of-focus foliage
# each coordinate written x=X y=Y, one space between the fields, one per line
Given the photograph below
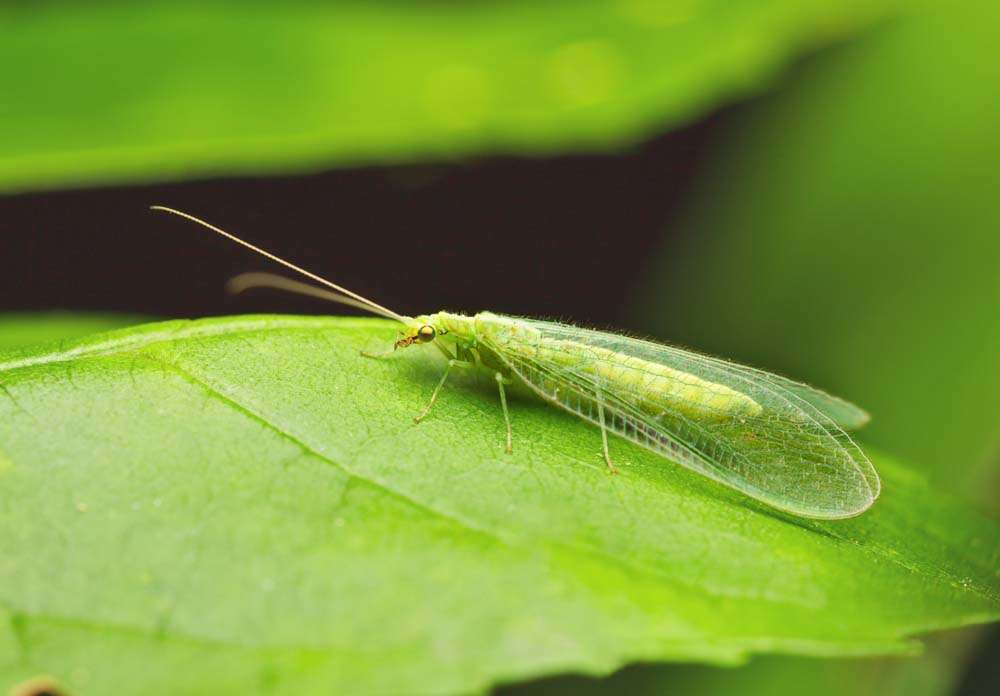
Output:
x=933 y=674
x=121 y=91
x=848 y=232
x=21 y=330
x=250 y=499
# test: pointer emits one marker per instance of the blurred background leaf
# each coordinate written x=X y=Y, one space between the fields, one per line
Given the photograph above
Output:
x=846 y=232
x=122 y=91
x=934 y=674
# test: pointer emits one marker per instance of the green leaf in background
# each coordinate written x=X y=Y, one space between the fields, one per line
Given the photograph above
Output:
x=934 y=673
x=124 y=91
x=848 y=232
x=18 y=330
x=244 y=505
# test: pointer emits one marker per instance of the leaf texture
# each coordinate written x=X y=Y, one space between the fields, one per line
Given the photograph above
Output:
x=245 y=505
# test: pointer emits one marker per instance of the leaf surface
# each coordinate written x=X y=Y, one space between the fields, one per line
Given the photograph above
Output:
x=245 y=505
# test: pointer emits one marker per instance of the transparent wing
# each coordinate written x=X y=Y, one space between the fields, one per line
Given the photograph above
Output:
x=774 y=439
x=845 y=414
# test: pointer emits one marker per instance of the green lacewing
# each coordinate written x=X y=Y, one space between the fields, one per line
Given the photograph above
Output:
x=781 y=442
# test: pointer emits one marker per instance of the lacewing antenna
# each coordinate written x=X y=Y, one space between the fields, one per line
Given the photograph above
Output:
x=248 y=281
x=341 y=292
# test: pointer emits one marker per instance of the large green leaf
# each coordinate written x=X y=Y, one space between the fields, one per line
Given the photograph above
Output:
x=115 y=91
x=245 y=505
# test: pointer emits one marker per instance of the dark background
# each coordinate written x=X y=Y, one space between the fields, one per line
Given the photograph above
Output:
x=563 y=237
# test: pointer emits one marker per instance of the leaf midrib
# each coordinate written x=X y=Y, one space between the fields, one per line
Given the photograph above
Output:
x=195 y=329
x=511 y=542
x=127 y=340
